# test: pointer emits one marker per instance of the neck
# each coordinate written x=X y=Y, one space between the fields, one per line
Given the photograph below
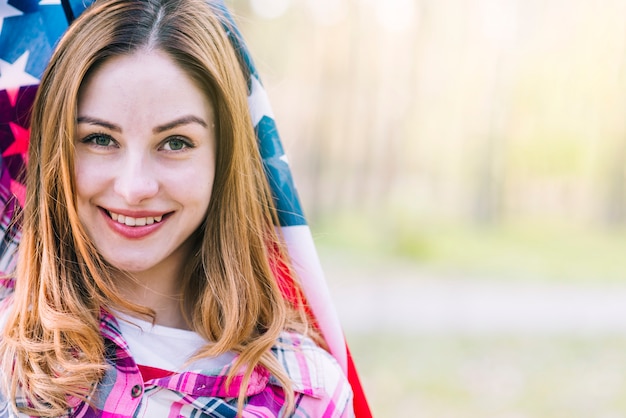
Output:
x=160 y=292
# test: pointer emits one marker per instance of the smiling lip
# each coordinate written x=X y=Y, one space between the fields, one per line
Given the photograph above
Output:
x=134 y=225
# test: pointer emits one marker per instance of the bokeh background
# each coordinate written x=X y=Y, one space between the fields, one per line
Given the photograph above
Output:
x=462 y=166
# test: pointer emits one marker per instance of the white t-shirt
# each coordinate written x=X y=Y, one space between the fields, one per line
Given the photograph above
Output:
x=166 y=348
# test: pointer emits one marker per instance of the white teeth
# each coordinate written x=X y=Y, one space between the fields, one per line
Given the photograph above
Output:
x=130 y=221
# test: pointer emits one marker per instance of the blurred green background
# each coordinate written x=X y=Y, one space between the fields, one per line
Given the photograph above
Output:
x=462 y=166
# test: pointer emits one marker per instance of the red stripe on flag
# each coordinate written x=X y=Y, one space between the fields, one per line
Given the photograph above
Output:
x=293 y=294
x=361 y=407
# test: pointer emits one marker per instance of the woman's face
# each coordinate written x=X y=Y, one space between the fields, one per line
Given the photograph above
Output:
x=145 y=162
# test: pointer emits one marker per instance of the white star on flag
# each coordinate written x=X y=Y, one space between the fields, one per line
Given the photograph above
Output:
x=6 y=10
x=13 y=76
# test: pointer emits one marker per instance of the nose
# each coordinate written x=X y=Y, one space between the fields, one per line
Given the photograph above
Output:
x=136 y=179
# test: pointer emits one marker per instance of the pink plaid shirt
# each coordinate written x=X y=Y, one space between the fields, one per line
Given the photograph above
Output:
x=321 y=389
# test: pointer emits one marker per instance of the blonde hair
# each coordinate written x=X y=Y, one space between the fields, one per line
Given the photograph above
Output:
x=51 y=347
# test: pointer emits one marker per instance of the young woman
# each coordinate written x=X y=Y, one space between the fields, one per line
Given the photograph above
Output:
x=146 y=283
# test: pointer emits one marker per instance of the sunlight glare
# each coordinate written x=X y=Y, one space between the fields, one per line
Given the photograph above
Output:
x=396 y=15
x=270 y=9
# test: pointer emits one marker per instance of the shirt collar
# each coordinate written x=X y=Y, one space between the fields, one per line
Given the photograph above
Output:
x=292 y=350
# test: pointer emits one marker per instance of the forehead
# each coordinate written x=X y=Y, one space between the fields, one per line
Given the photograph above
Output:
x=140 y=85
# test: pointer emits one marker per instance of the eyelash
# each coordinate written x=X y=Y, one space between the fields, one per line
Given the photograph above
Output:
x=92 y=137
x=185 y=142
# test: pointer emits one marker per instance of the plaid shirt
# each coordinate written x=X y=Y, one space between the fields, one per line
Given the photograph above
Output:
x=321 y=389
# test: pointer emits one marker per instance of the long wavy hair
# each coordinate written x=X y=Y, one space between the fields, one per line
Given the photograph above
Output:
x=51 y=348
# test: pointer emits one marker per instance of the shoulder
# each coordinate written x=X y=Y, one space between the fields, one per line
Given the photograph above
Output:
x=315 y=374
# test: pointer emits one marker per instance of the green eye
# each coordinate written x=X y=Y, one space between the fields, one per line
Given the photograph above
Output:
x=175 y=144
x=100 y=140
x=103 y=141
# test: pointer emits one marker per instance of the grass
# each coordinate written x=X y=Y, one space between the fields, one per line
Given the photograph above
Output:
x=512 y=251
x=492 y=376
x=451 y=375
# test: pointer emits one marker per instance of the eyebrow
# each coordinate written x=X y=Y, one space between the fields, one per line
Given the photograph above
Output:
x=95 y=121
x=185 y=120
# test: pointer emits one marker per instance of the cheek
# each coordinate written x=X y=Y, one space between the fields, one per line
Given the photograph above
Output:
x=196 y=196
x=81 y=181
x=198 y=191
x=196 y=183
x=84 y=191
x=89 y=178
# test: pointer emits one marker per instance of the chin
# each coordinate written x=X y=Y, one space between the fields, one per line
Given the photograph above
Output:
x=131 y=267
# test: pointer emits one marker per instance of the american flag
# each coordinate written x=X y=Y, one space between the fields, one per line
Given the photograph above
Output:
x=29 y=29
